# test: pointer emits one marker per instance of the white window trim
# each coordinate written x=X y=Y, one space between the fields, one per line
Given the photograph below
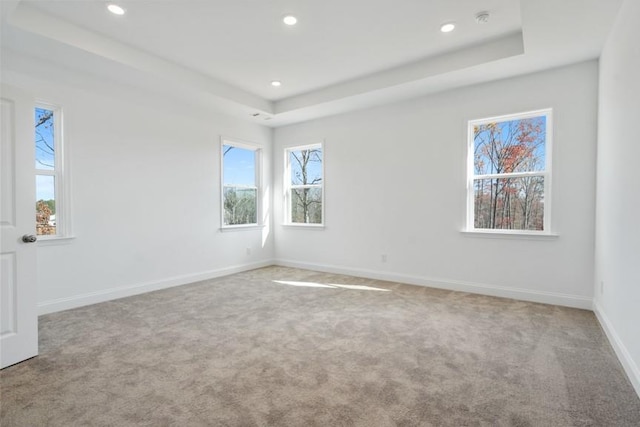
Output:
x=62 y=185
x=547 y=174
x=288 y=187
x=257 y=149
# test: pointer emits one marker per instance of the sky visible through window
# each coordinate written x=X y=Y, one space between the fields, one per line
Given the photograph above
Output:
x=239 y=166
x=514 y=146
x=45 y=153
x=313 y=168
x=45 y=187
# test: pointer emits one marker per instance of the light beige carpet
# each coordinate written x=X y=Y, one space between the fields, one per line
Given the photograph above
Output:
x=286 y=347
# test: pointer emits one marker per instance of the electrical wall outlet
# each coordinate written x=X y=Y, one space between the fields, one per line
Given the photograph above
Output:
x=383 y=258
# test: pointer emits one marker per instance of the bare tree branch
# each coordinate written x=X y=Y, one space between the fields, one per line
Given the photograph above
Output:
x=44 y=118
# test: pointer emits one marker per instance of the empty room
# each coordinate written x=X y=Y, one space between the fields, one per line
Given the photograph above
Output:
x=319 y=213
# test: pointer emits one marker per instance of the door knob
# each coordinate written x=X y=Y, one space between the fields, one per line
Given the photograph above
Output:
x=29 y=238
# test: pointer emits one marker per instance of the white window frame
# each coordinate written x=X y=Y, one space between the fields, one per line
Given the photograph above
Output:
x=546 y=174
x=288 y=187
x=257 y=149
x=60 y=174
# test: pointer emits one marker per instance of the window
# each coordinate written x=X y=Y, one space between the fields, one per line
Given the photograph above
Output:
x=51 y=216
x=304 y=185
x=240 y=183
x=509 y=173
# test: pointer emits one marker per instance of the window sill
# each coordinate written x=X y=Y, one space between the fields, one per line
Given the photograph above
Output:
x=55 y=240
x=307 y=226
x=518 y=235
x=226 y=228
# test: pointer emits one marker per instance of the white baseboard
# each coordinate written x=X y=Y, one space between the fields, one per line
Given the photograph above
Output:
x=75 y=301
x=630 y=367
x=574 y=301
x=66 y=303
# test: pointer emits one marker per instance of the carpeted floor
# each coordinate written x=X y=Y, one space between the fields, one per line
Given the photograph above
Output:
x=287 y=347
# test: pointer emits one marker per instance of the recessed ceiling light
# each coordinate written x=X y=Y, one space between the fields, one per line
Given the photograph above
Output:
x=115 y=9
x=276 y=83
x=290 y=20
x=448 y=27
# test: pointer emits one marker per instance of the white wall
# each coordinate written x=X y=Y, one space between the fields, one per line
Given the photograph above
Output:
x=395 y=184
x=617 y=278
x=145 y=186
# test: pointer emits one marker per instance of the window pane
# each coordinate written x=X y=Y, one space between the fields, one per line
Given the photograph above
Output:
x=306 y=205
x=509 y=203
x=240 y=206
x=306 y=166
x=239 y=166
x=45 y=205
x=510 y=146
x=45 y=143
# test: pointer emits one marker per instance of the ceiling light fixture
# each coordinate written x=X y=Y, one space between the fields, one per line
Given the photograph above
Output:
x=290 y=20
x=276 y=83
x=115 y=9
x=448 y=27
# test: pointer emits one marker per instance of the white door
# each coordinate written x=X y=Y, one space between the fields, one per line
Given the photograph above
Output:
x=18 y=299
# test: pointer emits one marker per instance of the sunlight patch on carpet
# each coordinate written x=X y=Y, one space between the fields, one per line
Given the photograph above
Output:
x=330 y=285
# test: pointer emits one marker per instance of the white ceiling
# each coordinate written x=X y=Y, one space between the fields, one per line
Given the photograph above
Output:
x=341 y=56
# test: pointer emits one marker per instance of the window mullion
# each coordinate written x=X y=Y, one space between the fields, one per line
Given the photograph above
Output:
x=46 y=172
x=509 y=175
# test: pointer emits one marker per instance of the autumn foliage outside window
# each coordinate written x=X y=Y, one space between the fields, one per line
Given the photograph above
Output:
x=509 y=172
x=44 y=212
